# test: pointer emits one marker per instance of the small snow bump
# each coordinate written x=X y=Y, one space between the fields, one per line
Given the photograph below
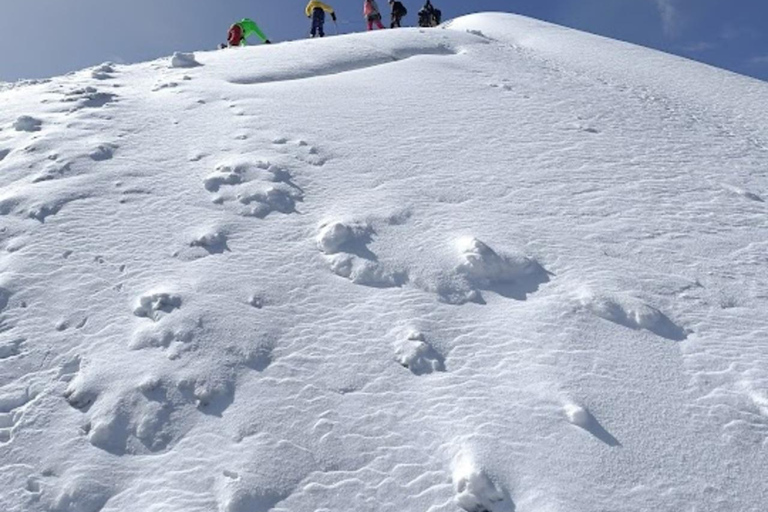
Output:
x=418 y=356
x=27 y=124
x=184 y=60
x=578 y=415
x=103 y=152
x=475 y=491
x=214 y=242
x=634 y=314
x=334 y=236
x=153 y=305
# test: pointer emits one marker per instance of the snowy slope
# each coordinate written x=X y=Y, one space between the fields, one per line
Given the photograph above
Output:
x=498 y=266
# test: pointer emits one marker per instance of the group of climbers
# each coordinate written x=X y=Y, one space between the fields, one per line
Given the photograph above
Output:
x=317 y=10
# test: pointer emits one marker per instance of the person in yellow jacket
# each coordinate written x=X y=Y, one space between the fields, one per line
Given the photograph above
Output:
x=316 y=10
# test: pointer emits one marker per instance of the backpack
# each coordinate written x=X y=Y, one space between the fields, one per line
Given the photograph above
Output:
x=235 y=35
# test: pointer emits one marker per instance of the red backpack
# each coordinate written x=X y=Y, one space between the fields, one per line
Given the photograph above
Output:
x=235 y=35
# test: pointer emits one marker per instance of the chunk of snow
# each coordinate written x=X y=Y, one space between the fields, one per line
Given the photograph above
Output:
x=334 y=236
x=152 y=305
x=184 y=60
x=27 y=124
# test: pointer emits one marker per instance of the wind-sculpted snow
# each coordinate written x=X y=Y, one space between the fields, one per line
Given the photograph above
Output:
x=310 y=59
x=635 y=315
x=496 y=266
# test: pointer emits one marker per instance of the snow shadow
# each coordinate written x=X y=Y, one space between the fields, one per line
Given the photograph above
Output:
x=513 y=276
x=213 y=243
x=370 y=57
x=520 y=287
x=584 y=419
x=596 y=429
x=639 y=316
x=358 y=246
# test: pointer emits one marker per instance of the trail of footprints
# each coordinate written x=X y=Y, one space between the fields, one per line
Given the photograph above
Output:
x=142 y=420
x=41 y=200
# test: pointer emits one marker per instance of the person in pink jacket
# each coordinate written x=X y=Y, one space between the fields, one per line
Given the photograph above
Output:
x=372 y=14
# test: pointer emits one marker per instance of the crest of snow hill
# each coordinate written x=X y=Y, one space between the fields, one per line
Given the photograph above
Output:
x=495 y=266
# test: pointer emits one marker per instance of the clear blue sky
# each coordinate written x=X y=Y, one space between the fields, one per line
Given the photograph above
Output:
x=41 y=38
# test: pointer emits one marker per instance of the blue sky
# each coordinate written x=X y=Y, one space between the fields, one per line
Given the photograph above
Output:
x=41 y=38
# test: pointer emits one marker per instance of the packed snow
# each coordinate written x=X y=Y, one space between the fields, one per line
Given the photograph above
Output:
x=494 y=266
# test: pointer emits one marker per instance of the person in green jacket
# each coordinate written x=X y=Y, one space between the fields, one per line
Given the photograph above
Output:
x=242 y=30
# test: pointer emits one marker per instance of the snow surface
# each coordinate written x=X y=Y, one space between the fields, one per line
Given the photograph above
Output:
x=497 y=266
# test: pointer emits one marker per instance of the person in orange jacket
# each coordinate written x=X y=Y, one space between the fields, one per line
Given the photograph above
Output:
x=316 y=10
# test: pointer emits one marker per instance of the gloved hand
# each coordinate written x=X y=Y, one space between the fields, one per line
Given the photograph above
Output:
x=333 y=16
x=267 y=42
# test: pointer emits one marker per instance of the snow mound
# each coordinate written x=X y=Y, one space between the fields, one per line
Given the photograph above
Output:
x=214 y=242
x=634 y=314
x=104 y=71
x=480 y=269
x=475 y=491
x=27 y=124
x=184 y=60
x=334 y=236
x=419 y=356
x=152 y=305
x=484 y=267
x=347 y=252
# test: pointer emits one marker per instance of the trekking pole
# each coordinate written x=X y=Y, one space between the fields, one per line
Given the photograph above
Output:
x=335 y=24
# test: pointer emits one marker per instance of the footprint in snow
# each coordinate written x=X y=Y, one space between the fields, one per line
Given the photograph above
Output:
x=254 y=190
x=475 y=491
x=12 y=349
x=480 y=268
x=155 y=305
x=743 y=193
x=103 y=152
x=301 y=151
x=503 y=87
x=88 y=97
x=13 y=404
x=634 y=314
x=345 y=246
x=418 y=356
x=207 y=243
x=146 y=419
x=105 y=71
x=160 y=86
